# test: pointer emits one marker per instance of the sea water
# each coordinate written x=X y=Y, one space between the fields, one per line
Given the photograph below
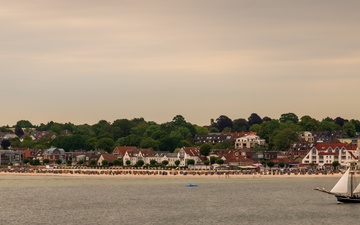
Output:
x=149 y=200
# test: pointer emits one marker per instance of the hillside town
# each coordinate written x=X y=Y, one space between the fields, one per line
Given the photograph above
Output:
x=317 y=150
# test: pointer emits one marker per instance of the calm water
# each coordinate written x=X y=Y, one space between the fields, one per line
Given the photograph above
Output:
x=146 y=200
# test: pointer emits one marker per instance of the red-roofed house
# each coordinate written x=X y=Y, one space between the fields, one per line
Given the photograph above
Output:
x=120 y=151
x=234 y=158
x=324 y=154
x=29 y=153
x=139 y=154
x=187 y=153
x=106 y=156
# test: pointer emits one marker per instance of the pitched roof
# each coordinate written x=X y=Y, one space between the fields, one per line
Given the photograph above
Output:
x=109 y=157
x=121 y=150
x=192 y=151
x=29 y=153
x=147 y=152
x=325 y=146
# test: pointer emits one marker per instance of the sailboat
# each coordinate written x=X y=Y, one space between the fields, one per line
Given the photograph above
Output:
x=344 y=190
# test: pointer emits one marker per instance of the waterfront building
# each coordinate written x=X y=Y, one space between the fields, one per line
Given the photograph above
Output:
x=186 y=153
x=249 y=141
x=8 y=157
x=323 y=155
x=54 y=154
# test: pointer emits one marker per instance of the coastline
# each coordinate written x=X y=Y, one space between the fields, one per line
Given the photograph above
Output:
x=160 y=174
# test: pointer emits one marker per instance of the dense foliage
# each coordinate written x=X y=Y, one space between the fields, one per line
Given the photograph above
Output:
x=278 y=133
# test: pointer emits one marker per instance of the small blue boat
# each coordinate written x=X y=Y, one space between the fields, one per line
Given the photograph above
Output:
x=191 y=185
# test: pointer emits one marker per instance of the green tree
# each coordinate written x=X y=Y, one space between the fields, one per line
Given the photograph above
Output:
x=24 y=124
x=223 y=145
x=58 y=161
x=349 y=128
x=255 y=128
x=128 y=162
x=356 y=124
x=191 y=162
x=179 y=120
x=177 y=162
x=149 y=132
x=104 y=163
x=326 y=125
x=309 y=124
x=254 y=119
x=281 y=164
x=212 y=159
x=84 y=129
x=205 y=149
x=164 y=162
x=206 y=162
x=153 y=162
x=148 y=142
x=19 y=131
x=220 y=161
x=93 y=162
x=340 y=121
x=287 y=133
x=335 y=164
x=27 y=142
x=80 y=162
x=117 y=162
x=201 y=130
x=289 y=117
x=140 y=163
x=5 y=144
x=35 y=162
x=103 y=129
x=15 y=142
x=121 y=128
x=56 y=128
x=26 y=161
x=106 y=143
x=222 y=122
x=268 y=128
x=140 y=128
x=240 y=125
x=46 y=161
x=270 y=164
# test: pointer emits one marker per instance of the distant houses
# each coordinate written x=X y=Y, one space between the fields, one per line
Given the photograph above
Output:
x=312 y=150
x=324 y=154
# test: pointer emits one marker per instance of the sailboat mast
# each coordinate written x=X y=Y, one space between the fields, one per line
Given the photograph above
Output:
x=352 y=166
x=351 y=183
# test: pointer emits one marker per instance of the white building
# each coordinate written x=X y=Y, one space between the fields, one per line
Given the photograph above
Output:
x=187 y=153
x=324 y=154
x=249 y=141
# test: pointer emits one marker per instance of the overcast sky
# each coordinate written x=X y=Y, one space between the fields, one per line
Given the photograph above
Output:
x=82 y=61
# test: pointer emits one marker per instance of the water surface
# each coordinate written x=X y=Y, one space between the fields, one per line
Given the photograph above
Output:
x=148 y=200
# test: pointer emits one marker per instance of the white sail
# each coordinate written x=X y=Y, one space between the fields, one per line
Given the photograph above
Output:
x=342 y=185
x=357 y=189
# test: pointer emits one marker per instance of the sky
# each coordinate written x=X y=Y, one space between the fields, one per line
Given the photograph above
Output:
x=82 y=61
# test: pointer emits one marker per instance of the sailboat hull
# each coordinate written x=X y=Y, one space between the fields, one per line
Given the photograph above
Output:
x=347 y=199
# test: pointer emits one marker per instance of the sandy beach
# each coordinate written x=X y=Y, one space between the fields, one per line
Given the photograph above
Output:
x=133 y=173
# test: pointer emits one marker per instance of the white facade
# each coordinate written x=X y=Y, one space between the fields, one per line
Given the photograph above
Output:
x=249 y=141
x=330 y=153
x=307 y=136
x=185 y=154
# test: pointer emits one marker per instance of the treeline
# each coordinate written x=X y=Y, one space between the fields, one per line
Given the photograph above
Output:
x=278 y=133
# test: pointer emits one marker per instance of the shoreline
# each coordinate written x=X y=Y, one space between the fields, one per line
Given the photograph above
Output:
x=123 y=173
